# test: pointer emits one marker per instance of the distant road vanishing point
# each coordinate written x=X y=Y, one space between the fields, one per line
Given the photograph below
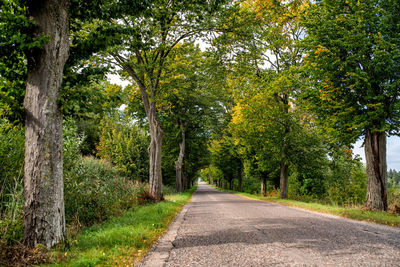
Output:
x=222 y=229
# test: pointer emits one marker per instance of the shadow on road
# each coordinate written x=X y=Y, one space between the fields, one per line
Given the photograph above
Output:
x=291 y=235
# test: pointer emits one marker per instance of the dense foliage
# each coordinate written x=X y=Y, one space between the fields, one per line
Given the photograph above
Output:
x=125 y=145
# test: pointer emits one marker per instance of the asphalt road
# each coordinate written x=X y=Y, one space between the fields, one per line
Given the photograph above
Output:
x=222 y=229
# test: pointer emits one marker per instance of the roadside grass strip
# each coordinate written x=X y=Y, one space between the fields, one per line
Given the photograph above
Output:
x=124 y=240
x=352 y=212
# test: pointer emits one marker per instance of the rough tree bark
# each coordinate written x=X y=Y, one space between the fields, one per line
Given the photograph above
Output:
x=264 y=185
x=284 y=184
x=179 y=161
x=156 y=132
x=44 y=219
x=156 y=135
x=375 y=155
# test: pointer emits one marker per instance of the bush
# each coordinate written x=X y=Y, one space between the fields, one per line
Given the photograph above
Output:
x=145 y=197
x=347 y=185
x=94 y=191
x=12 y=142
x=72 y=143
x=394 y=200
x=252 y=185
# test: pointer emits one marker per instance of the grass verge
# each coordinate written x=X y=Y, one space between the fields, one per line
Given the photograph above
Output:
x=124 y=240
x=355 y=213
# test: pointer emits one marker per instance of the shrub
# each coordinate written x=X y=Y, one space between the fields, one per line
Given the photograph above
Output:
x=72 y=143
x=125 y=145
x=94 y=191
x=144 y=197
x=252 y=185
x=347 y=185
x=12 y=141
x=394 y=200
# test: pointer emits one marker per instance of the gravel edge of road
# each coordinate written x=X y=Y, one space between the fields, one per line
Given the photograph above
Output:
x=160 y=252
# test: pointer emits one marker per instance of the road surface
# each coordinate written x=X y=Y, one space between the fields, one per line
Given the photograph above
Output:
x=222 y=229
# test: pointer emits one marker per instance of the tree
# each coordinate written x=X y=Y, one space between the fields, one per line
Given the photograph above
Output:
x=353 y=60
x=264 y=35
x=44 y=220
x=187 y=107
x=25 y=36
x=185 y=104
x=224 y=157
x=148 y=42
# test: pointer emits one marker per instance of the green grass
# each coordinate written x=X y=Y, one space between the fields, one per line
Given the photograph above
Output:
x=355 y=213
x=124 y=240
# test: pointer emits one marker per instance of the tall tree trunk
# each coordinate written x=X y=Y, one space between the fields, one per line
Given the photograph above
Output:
x=240 y=178
x=178 y=163
x=264 y=185
x=44 y=217
x=210 y=179
x=156 y=135
x=231 y=184
x=375 y=155
x=284 y=184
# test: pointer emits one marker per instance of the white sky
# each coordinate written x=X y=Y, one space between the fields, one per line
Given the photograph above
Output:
x=115 y=79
